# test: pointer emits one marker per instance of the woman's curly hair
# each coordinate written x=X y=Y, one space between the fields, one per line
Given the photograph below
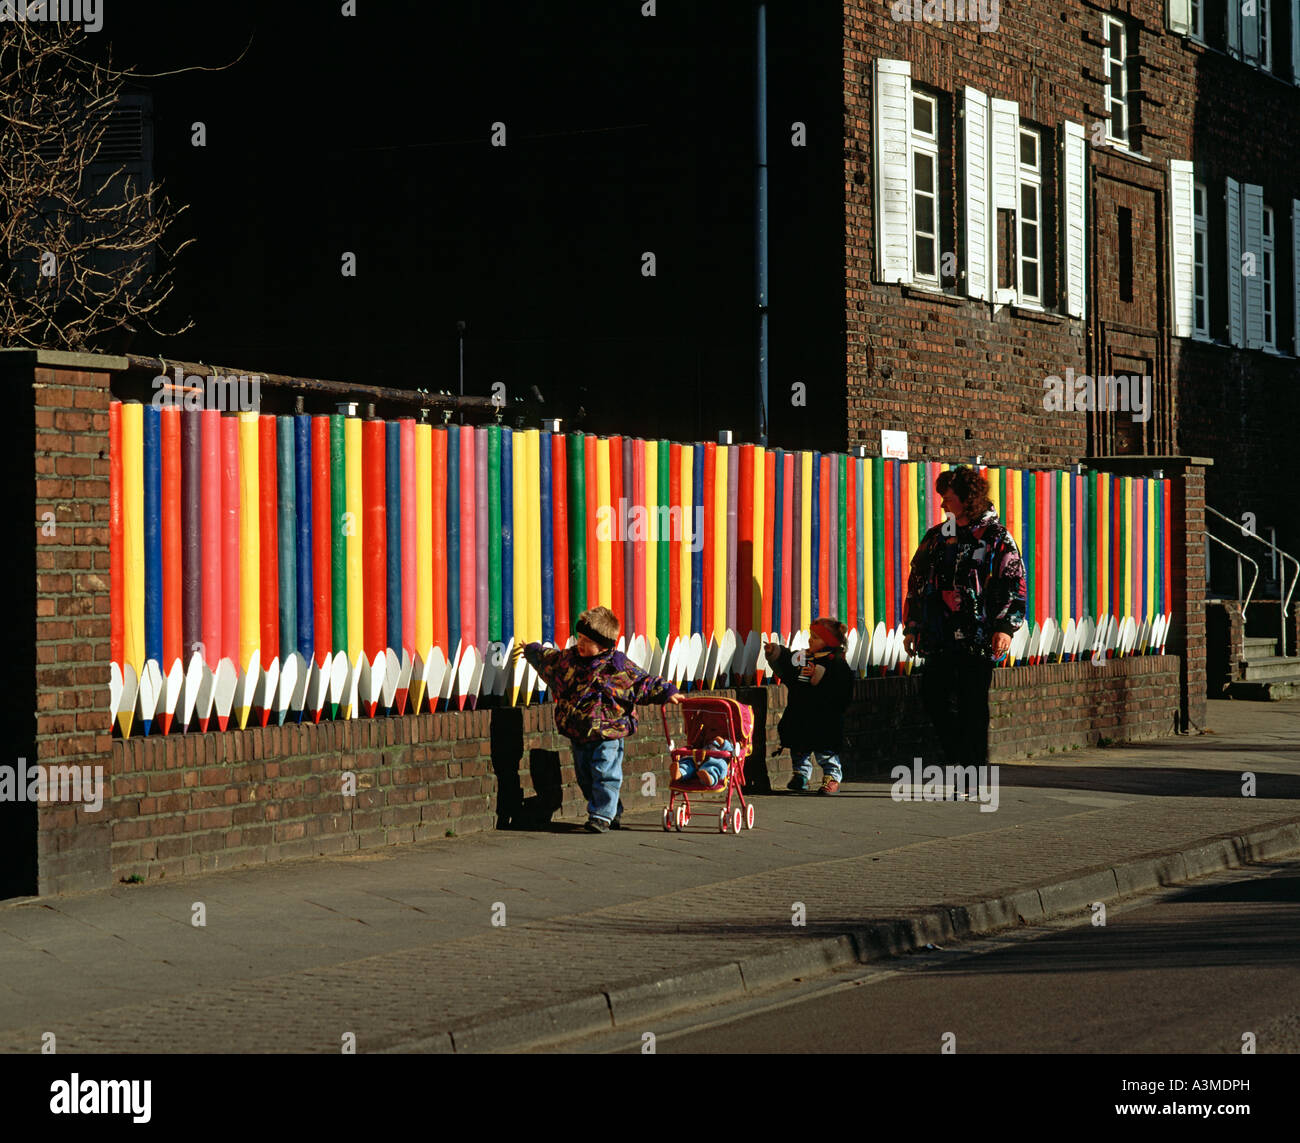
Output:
x=970 y=486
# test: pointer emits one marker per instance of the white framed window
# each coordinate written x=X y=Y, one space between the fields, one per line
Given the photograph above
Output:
x=1200 y=266
x=1188 y=18
x=1265 y=58
x=1115 y=69
x=925 y=187
x=1030 y=261
x=1269 y=260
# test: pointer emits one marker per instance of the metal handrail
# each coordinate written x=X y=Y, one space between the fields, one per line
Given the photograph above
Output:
x=1286 y=602
x=1240 y=555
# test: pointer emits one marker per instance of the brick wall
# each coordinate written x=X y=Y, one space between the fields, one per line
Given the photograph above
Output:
x=194 y=803
x=201 y=802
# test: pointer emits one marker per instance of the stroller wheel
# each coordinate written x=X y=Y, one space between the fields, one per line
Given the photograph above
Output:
x=681 y=817
x=668 y=819
x=722 y=821
x=749 y=816
x=736 y=819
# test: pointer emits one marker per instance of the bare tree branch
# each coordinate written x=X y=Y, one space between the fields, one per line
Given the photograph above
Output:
x=84 y=257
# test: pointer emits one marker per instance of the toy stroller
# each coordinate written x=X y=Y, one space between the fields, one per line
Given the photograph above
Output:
x=717 y=730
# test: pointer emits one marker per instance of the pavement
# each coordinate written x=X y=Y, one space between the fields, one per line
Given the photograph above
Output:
x=510 y=940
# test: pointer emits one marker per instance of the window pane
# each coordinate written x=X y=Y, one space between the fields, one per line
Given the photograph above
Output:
x=1117 y=121
x=1029 y=239
x=1029 y=272
x=1029 y=203
x=924 y=173
x=924 y=214
x=925 y=256
x=923 y=116
x=1116 y=79
x=1029 y=149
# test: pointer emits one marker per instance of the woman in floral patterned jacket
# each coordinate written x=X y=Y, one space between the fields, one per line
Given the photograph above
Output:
x=965 y=599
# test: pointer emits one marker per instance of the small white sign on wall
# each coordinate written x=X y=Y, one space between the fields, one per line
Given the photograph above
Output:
x=893 y=444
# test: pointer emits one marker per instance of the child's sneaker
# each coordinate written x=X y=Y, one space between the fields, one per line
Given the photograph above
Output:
x=829 y=786
x=596 y=825
x=796 y=783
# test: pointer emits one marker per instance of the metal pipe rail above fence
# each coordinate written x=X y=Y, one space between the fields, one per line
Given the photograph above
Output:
x=1285 y=597
x=339 y=390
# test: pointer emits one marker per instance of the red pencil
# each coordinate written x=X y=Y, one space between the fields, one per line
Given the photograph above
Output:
x=439 y=456
x=850 y=540
x=821 y=565
x=745 y=544
x=617 y=583
x=321 y=570
x=593 y=505
x=788 y=608
x=638 y=546
x=891 y=523
x=268 y=531
x=560 y=534
x=710 y=468
x=675 y=540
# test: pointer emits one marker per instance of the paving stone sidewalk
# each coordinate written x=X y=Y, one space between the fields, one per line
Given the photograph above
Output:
x=399 y=947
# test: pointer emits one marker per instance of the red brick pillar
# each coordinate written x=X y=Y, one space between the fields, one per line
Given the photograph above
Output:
x=71 y=612
x=1187 y=631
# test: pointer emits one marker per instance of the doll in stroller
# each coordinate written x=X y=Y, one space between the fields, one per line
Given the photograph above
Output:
x=718 y=739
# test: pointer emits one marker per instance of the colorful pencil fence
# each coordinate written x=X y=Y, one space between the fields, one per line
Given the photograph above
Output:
x=287 y=567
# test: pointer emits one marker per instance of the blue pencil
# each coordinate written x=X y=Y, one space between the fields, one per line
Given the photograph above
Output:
x=302 y=471
x=286 y=487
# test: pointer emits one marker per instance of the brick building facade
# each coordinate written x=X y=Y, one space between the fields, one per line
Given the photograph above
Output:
x=1093 y=170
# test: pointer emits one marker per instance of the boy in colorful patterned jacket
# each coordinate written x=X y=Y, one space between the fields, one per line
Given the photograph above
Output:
x=596 y=690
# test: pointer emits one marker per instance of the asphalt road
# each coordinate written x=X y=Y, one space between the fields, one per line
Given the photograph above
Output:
x=1190 y=971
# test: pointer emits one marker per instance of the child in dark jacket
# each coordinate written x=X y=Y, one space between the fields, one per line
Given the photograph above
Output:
x=596 y=691
x=821 y=686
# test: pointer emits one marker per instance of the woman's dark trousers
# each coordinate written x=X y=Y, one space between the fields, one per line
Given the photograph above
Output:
x=955 y=690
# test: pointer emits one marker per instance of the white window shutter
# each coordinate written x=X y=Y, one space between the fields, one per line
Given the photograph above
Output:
x=1180 y=16
x=892 y=99
x=1234 y=29
x=1295 y=271
x=1004 y=171
x=1182 y=221
x=1232 y=201
x=980 y=231
x=1295 y=41
x=1074 y=218
x=1252 y=240
x=1249 y=29
x=1005 y=152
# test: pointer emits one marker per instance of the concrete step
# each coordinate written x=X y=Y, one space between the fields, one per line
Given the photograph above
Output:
x=1270 y=690
x=1269 y=667
x=1259 y=646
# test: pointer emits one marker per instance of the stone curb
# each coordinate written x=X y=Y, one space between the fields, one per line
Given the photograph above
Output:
x=717 y=983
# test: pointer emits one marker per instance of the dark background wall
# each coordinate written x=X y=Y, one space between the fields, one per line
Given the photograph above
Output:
x=625 y=134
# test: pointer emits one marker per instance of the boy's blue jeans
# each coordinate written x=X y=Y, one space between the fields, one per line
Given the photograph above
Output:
x=802 y=761
x=599 y=766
